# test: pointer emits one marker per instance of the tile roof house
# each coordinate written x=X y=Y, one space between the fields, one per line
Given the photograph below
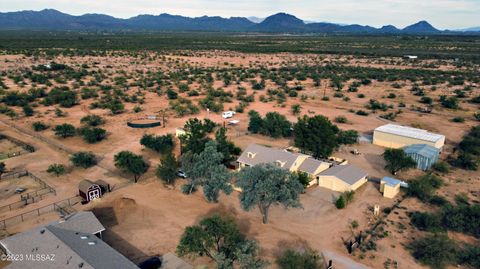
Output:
x=70 y=243
x=342 y=178
x=256 y=154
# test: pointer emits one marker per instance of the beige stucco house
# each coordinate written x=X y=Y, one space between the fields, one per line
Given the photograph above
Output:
x=257 y=154
x=342 y=178
x=397 y=136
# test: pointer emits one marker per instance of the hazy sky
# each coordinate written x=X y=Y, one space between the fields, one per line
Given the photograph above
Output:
x=451 y=14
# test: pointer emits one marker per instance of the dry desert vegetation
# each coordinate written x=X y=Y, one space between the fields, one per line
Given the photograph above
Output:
x=65 y=103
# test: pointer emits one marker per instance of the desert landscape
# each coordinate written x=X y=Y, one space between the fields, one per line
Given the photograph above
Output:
x=63 y=102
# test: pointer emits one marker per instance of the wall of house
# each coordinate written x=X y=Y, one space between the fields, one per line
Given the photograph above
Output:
x=396 y=141
x=333 y=183
x=389 y=191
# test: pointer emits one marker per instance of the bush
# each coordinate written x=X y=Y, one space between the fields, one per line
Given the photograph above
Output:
x=341 y=119
x=449 y=102
x=83 y=159
x=437 y=251
x=161 y=144
x=424 y=187
x=57 y=169
x=92 y=120
x=293 y=259
x=458 y=119
x=92 y=134
x=39 y=126
x=64 y=130
x=340 y=202
x=362 y=113
x=441 y=167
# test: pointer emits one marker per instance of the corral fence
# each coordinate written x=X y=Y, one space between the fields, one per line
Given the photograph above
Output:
x=63 y=207
x=29 y=197
x=26 y=147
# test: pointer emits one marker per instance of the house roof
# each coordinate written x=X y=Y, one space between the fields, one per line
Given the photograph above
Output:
x=390 y=181
x=410 y=132
x=348 y=173
x=84 y=185
x=70 y=249
x=310 y=165
x=85 y=222
x=171 y=261
x=423 y=150
x=262 y=154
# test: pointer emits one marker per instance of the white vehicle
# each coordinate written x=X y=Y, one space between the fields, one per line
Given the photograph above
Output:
x=228 y=114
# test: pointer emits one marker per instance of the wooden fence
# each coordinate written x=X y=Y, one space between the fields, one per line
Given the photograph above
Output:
x=60 y=206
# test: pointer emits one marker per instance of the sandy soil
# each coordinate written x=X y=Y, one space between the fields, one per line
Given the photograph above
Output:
x=147 y=218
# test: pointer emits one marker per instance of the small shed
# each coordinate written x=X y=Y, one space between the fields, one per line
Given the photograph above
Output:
x=424 y=155
x=89 y=190
x=390 y=187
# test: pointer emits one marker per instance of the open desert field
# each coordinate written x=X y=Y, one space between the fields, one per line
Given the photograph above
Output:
x=42 y=89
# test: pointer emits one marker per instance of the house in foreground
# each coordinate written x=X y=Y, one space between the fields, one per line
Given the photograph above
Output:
x=324 y=174
x=397 y=136
x=72 y=242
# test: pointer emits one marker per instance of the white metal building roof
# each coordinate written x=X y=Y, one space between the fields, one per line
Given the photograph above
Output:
x=410 y=132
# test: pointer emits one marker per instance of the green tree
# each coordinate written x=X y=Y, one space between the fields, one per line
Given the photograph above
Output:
x=131 y=163
x=220 y=239
x=316 y=135
x=92 y=120
x=39 y=126
x=276 y=125
x=225 y=146
x=56 y=169
x=303 y=178
x=167 y=169
x=206 y=169
x=436 y=250
x=348 y=137
x=296 y=109
x=293 y=259
x=92 y=134
x=396 y=160
x=266 y=185
x=28 y=110
x=83 y=159
x=162 y=144
x=424 y=187
x=340 y=203
x=64 y=130
x=195 y=136
x=255 y=123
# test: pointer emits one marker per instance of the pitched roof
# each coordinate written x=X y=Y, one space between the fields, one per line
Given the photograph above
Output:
x=391 y=181
x=85 y=184
x=261 y=154
x=70 y=249
x=311 y=165
x=85 y=222
x=423 y=150
x=410 y=132
x=348 y=173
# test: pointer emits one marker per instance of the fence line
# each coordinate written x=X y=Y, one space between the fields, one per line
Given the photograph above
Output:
x=59 y=206
x=22 y=144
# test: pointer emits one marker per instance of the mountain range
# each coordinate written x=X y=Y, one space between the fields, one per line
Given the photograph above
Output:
x=50 y=19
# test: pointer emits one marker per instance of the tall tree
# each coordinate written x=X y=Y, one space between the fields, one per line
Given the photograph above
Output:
x=195 y=135
x=397 y=160
x=64 y=130
x=220 y=239
x=266 y=185
x=162 y=144
x=316 y=135
x=206 y=169
x=226 y=147
x=256 y=122
x=132 y=163
x=167 y=169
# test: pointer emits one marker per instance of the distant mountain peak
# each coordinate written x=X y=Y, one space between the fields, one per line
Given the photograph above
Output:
x=421 y=27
